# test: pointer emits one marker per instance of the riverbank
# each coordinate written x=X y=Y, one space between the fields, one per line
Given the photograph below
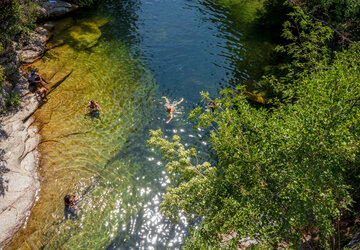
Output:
x=19 y=181
x=19 y=138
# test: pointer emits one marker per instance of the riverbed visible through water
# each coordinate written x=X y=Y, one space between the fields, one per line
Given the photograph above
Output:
x=126 y=55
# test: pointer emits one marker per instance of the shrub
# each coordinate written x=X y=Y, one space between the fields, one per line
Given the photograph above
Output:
x=13 y=100
x=282 y=173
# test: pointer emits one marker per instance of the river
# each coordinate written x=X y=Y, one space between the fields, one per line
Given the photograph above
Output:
x=126 y=55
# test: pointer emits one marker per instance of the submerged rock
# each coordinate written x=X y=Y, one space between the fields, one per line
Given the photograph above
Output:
x=85 y=35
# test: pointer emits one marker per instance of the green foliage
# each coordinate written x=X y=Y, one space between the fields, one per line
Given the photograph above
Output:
x=343 y=15
x=306 y=48
x=281 y=173
x=16 y=17
x=334 y=8
x=13 y=100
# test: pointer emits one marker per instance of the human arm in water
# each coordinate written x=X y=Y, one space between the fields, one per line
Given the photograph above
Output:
x=74 y=198
x=93 y=105
x=167 y=100
x=176 y=103
x=42 y=80
x=74 y=201
x=98 y=107
x=71 y=201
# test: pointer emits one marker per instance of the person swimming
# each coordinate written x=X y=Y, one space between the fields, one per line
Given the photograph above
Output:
x=70 y=206
x=170 y=108
x=94 y=107
x=70 y=201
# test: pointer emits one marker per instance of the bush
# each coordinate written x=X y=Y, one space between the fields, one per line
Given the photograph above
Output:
x=342 y=15
x=13 y=100
x=282 y=173
x=17 y=17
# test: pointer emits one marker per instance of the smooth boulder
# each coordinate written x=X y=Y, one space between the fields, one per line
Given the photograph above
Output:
x=54 y=8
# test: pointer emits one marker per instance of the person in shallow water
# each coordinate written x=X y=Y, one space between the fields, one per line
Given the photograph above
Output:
x=94 y=107
x=41 y=94
x=70 y=201
x=71 y=207
x=170 y=108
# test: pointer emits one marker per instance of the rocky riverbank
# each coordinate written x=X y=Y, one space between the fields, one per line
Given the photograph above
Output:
x=19 y=181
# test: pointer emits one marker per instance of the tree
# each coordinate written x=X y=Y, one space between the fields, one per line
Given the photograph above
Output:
x=282 y=173
x=342 y=16
x=17 y=18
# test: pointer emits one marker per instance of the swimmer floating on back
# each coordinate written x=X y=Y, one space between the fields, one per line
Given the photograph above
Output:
x=171 y=107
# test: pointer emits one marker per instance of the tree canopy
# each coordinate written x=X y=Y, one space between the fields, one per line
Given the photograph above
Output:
x=284 y=173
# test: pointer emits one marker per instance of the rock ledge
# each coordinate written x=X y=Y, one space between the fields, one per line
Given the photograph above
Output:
x=54 y=8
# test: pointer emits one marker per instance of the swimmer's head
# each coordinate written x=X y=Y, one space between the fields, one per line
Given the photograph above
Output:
x=68 y=199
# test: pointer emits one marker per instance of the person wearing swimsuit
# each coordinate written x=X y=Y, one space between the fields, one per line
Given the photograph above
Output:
x=41 y=94
x=94 y=106
x=70 y=202
x=170 y=108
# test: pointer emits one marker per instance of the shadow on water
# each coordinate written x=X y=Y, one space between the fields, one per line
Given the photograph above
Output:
x=93 y=115
x=70 y=213
x=251 y=30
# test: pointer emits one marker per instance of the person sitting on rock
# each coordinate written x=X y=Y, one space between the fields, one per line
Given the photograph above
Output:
x=41 y=94
x=94 y=107
x=35 y=79
x=70 y=202
x=170 y=108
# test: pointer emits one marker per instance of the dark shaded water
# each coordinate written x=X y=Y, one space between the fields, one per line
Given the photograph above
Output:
x=127 y=55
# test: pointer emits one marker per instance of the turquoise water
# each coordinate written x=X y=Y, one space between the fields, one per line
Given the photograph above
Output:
x=126 y=55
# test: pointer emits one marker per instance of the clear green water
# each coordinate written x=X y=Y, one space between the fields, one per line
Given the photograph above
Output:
x=126 y=55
